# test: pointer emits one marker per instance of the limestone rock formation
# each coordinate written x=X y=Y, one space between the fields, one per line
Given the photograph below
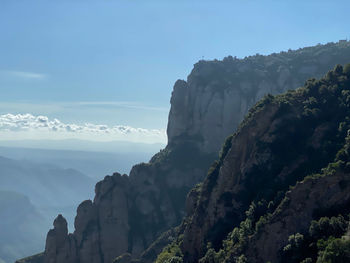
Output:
x=287 y=165
x=60 y=247
x=99 y=225
x=306 y=199
x=130 y=212
x=218 y=94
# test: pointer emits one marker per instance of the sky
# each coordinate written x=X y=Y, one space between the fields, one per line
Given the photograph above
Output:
x=112 y=64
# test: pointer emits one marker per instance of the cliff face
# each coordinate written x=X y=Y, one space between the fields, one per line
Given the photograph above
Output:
x=218 y=94
x=244 y=210
x=304 y=201
x=129 y=213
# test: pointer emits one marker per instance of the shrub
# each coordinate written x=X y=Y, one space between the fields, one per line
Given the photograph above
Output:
x=170 y=254
x=325 y=227
x=337 y=250
x=346 y=69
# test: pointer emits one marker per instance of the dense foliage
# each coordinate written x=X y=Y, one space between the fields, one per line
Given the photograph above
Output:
x=323 y=243
x=320 y=103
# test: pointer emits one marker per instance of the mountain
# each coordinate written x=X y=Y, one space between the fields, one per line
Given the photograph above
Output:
x=280 y=190
x=28 y=202
x=129 y=213
x=84 y=145
x=43 y=183
x=218 y=94
x=93 y=163
x=21 y=226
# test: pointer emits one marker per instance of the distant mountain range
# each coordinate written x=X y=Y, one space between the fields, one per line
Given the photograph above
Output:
x=32 y=179
x=21 y=226
x=95 y=159
x=43 y=182
x=28 y=203
x=84 y=145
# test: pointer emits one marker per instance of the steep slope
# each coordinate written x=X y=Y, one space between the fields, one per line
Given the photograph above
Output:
x=129 y=213
x=218 y=94
x=244 y=210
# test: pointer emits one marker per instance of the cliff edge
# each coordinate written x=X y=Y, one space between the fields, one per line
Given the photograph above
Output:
x=130 y=212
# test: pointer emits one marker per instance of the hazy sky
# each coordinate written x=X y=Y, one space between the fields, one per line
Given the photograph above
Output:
x=114 y=62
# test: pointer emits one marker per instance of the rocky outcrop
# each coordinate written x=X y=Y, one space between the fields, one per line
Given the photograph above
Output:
x=129 y=213
x=281 y=141
x=99 y=225
x=304 y=201
x=60 y=247
x=225 y=196
x=218 y=94
x=38 y=258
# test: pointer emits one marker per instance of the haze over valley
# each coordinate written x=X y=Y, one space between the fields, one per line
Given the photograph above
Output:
x=174 y=131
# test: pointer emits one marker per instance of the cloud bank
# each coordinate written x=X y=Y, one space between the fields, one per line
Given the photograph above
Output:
x=28 y=126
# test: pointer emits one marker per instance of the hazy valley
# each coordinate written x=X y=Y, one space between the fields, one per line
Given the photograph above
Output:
x=33 y=179
x=152 y=215
x=174 y=131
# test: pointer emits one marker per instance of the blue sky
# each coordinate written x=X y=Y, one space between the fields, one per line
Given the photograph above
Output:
x=115 y=62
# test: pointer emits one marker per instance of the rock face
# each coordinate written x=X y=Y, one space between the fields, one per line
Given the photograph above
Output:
x=60 y=247
x=244 y=206
x=218 y=94
x=327 y=192
x=129 y=213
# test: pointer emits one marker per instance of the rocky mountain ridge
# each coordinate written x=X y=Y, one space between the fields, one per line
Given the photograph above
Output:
x=285 y=170
x=129 y=213
x=216 y=96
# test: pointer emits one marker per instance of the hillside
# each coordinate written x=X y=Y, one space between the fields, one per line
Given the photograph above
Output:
x=44 y=182
x=279 y=191
x=21 y=226
x=129 y=213
x=28 y=202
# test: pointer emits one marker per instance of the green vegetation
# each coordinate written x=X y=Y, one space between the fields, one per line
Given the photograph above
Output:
x=171 y=253
x=256 y=69
x=313 y=122
x=335 y=250
x=320 y=104
x=323 y=242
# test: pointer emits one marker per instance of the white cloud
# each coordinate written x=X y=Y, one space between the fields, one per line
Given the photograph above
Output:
x=23 y=74
x=28 y=126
